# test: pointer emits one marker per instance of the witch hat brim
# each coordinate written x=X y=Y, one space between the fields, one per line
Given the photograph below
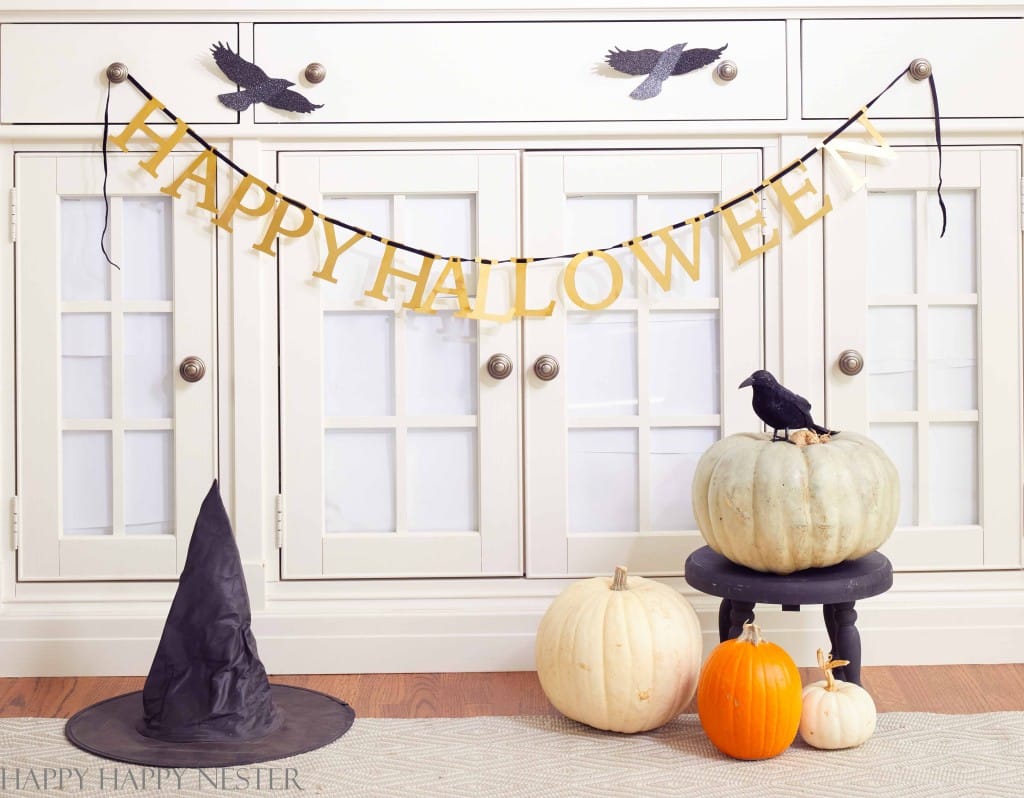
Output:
x=207 y=701
x=311 y=720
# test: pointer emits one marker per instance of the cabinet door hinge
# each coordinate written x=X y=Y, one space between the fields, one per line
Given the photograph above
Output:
x=279 y=520
x=15 y=523
x=13 y=212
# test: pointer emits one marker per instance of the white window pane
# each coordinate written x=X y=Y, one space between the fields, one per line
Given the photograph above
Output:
x=892 y=358
x=146 y=262
x=84 y=271
x=357 y=268
x=951 y=259
x=684 y=362
x=601 y=222
x=148 y=369
x=359 y=480
x=662 y=211
x=441 y=364
x=602 y=364
x=359 y=364
x=891 y=248
x=674 y=456
x=85 y=365
x=444 y=225
x=603 y=480
x=953 y=473
x=899 y=441
x=149 y=482
x=442 y=478
x=952 y=358
x=86 y=469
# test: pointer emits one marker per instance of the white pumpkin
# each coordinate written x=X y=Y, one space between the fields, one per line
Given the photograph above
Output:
x=781 y=508
x=619 y=655
x=836 y=714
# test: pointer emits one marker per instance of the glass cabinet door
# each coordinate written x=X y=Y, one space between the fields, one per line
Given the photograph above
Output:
x=116 y=450
x=400 y=453
x=938 y=323
x=645 y=385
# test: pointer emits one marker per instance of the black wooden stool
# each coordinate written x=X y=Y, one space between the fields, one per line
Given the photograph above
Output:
x=836 y=588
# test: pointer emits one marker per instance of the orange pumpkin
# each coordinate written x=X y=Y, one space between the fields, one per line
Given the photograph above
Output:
x=749 y=697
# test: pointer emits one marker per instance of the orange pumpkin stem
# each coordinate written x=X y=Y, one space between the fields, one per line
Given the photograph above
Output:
x=827 y=665
x=619 y=580
x=751 y=633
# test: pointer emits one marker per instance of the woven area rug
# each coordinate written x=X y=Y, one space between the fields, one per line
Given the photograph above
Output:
x=911 y=754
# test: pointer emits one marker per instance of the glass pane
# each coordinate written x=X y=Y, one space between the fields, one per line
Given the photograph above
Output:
x=891 y=249
x=892 y=358
x=357 y=268
x=952 y=358
x=149 y=482
x=442 y=364
x=899 y=441
x=86 y=483
x=359 y=480
x=444 y=225
x=602 y=367
x=951 y=259
x=359 y=364
x=953 y=477
x=84 y=272
x=85 y=365
x=674 y=456
x=662 y=211
x=442 y=493
x=603 y=480
x=146 y=263
x=148 y=370
x=684 y=358
x=601 y=222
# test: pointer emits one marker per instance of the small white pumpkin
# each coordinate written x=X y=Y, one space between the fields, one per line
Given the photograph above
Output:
x=619 y=655
x=836 y=714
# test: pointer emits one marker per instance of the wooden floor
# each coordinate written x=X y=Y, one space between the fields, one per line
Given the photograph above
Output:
x=957 y=689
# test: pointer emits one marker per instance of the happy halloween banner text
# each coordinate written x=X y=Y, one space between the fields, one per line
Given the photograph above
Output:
x=742 y=219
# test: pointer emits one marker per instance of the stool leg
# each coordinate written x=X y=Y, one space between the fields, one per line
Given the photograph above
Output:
x=845 y=639
x=724 y=611
x=740 y=613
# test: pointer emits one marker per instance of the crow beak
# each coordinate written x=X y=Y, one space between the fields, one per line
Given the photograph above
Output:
x=746 y=382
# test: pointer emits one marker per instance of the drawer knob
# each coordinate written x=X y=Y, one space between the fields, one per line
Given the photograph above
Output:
x=192 y=369
x=727 y=70
x=499 y=366
x=117 y=72
x=315 y=73
x=851 y=362
x=920 y=69
x=546 y=368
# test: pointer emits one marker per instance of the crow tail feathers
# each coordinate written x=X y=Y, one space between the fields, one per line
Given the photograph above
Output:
x=822 y=430
x=236 y=100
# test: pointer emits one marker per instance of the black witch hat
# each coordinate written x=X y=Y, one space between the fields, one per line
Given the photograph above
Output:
x=207 y=701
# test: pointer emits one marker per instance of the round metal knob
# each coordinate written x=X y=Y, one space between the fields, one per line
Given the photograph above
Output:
x=727 y=70
x=920 y=68
x=546 y=368
x=117 y=72
x=499 y=366
x=851 y=362
x=192 y=369
x=315 y=73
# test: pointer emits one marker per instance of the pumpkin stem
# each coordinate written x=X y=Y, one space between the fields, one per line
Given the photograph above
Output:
x=751 y=633
x=827 y=665
x=619 y=580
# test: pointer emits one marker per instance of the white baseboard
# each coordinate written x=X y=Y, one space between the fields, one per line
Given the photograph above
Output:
x=908 y=626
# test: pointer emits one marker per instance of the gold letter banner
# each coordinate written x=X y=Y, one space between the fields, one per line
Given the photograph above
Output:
x=743 y=218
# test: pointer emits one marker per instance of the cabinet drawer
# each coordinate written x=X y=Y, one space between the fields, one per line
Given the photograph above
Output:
x=55 y=73
x=976 y=63
x=518 y=71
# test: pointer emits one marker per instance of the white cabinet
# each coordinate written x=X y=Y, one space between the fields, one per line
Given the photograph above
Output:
x=116 y=449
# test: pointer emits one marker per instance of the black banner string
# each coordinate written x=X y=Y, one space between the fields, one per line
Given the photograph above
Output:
x=106 y=197
x=645 y=237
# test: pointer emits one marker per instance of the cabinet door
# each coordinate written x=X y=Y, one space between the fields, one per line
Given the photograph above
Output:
x=399 y=452
x=938 y=322
x=116 y=450
x=646 y=385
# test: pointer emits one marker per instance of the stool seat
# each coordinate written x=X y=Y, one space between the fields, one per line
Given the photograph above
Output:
x=837 y=588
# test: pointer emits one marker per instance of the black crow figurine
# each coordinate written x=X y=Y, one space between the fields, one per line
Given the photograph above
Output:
x=779 y=407
x=256 y=86
x=659 y=65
